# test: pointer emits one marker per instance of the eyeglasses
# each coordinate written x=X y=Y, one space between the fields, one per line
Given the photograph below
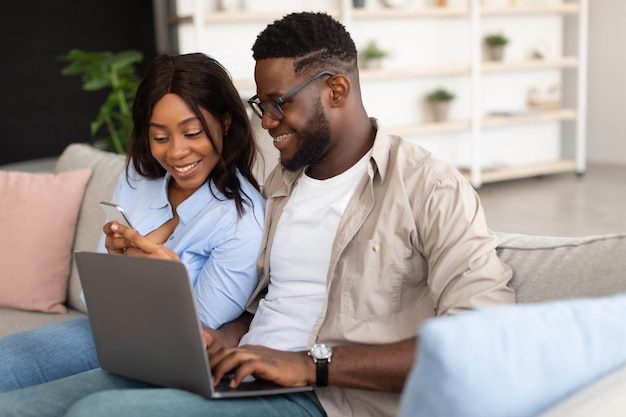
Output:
x=272 y=107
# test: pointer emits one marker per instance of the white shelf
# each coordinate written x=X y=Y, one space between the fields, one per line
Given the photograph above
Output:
x=410 y=13
x=430 y=128
x=572 y=8
x=454 y=126
x=387 y=74
x=249 y=17
x=386 y=13
x=524 y=171
x=529 y=118
x=359 y=14
x=453 y=70
x=483 y=17
x=532 y=64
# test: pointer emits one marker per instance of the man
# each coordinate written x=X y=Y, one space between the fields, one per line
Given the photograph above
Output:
x=366 y=236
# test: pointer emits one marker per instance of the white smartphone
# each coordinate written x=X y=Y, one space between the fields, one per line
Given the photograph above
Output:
x=116 y=213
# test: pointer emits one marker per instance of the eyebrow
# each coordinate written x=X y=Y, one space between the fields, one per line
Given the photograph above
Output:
x=182 y=123
x=274 y=95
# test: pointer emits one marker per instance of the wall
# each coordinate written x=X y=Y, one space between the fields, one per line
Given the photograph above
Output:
x=607 y=81
x=420 y=43
x=42 y=111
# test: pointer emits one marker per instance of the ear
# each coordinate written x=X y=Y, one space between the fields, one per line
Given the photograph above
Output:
x=339 y=90
x=226 y=124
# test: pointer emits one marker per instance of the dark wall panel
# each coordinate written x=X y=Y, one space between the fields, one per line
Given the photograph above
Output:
x=42 y=111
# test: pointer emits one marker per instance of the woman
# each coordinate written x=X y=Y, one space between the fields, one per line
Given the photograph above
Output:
x=191 y=195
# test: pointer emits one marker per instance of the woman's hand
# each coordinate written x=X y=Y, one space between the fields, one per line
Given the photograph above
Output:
x=125 y=241
x=114 y=241
x=227 y=336
x=216 y=341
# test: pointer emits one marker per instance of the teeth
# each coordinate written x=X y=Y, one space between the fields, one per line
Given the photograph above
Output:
x=281 y=137
x=186 y=168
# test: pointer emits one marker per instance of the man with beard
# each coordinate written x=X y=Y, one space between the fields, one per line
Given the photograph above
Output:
x=365 y=237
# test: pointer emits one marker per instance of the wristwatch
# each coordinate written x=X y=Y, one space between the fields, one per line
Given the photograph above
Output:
x=321 y=355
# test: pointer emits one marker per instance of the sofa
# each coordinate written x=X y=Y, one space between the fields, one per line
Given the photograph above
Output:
x=546 y=270
x=105 y=169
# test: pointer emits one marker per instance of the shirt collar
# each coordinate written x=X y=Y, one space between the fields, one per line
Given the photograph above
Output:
x=189 y=208
x=380 y=151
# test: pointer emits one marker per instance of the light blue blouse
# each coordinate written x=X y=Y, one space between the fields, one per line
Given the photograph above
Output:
x=218 y=248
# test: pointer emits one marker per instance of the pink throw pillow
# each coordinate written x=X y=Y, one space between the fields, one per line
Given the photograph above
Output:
x=38 y=216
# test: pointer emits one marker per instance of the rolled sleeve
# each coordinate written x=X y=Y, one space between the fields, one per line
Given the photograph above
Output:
x=464 y=269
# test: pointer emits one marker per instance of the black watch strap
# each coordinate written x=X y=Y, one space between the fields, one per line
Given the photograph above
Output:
x=321 y=372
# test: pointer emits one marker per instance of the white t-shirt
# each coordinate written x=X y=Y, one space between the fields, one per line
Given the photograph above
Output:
x=299 y=260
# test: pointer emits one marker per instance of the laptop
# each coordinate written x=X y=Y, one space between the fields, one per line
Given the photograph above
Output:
x=145 y=325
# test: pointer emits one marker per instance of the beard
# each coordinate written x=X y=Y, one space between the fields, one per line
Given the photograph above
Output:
x=313 y=142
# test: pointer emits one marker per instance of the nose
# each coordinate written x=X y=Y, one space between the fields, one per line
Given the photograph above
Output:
x=267 y=122
x=179 y=148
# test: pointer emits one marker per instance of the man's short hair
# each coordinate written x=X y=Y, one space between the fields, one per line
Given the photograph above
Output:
x=315 y=41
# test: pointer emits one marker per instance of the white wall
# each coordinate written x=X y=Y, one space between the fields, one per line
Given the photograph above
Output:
x=606 y=140
x=606 y=132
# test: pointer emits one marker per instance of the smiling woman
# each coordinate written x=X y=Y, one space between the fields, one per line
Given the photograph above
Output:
x=190 y=192
x=179 y=142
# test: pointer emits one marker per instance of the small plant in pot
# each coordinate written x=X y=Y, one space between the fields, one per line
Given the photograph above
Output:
x=495 y=44
x=439 y=101
x=372 y=55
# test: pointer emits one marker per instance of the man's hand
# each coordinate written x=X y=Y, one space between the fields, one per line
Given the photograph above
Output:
x=377 y=368
x=289 y=369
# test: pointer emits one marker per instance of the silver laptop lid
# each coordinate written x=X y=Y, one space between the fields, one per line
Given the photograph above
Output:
x=146 y=327
x=144 y=321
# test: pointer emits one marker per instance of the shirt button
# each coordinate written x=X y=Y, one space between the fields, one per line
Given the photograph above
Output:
x=171 y=237
x=376 y=247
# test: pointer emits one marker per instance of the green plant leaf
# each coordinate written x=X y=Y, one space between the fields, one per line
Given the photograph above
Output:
x=116 y=71
x=496 y=40
x=95 y=84
x=372 y=50
x=123 y=60
x=440 y=94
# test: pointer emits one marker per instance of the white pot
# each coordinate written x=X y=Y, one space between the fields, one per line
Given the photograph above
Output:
x=440 y=110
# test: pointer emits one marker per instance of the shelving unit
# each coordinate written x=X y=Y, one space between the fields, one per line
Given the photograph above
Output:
x=451 y=58
x=476 y=173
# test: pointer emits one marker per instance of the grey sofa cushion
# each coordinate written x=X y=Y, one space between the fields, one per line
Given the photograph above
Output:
x=553 y=268
x=13 y=321
x=106 y=168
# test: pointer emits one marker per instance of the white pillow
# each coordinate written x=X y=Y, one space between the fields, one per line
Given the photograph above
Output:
x=514 y=360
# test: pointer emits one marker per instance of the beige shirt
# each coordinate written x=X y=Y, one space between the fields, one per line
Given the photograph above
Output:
x=412 y=244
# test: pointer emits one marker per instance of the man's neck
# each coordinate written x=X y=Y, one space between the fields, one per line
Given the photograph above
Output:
x=341 y=158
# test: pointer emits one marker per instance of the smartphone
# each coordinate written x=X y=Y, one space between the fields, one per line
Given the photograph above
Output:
x=116 y=213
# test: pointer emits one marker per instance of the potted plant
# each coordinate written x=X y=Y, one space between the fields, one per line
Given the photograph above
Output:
x=439 y=101
x=114 y=71
x=372 y=55
x=495 y=44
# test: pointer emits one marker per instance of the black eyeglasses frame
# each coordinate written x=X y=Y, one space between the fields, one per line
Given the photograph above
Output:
x=272 y=106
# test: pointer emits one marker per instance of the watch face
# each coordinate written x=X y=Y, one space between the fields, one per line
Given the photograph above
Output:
x=321 y=351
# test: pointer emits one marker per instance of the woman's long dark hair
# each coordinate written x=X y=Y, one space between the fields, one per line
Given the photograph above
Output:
x=201 y=82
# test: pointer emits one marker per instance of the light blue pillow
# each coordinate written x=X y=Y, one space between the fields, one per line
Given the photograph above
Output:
x=514 y=360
